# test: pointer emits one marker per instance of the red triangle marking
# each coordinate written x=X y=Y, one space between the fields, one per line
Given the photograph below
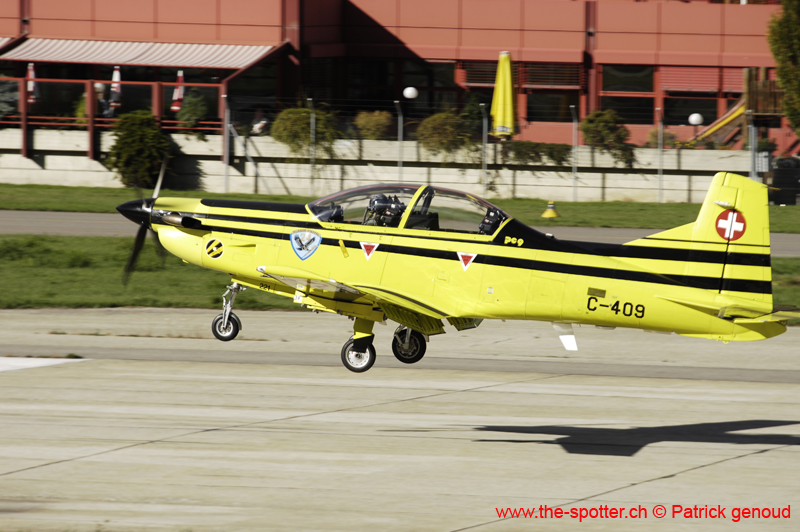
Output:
x=466 y=259
x=368 y=248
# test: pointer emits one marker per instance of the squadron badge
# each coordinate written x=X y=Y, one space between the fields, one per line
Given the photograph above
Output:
x=305 y=243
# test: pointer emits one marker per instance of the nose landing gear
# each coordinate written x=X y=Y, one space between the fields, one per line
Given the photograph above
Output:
x=227 y=325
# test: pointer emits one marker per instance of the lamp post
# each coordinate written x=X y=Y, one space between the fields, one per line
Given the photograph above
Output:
x=410 y=93
x=574 y=153
x=313 y=143
x=660 y=117
x=483 y=154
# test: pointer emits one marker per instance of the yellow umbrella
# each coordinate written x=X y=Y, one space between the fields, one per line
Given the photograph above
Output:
x=503 y=98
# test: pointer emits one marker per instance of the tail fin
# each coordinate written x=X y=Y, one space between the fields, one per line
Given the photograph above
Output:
x=729 y=240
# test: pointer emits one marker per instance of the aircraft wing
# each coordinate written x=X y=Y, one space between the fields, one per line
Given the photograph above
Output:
x=319 y=293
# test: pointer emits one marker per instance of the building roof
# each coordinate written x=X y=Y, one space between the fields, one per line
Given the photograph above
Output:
x=137 y=53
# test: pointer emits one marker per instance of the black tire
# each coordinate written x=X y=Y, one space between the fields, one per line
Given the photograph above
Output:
x=357 y=362
x=416 y=347
x=226 y=335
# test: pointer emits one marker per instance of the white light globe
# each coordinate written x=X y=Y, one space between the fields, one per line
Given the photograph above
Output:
x=410 y=93
x=695 y=119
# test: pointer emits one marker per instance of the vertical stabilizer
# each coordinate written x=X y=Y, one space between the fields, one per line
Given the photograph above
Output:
x=729 y=240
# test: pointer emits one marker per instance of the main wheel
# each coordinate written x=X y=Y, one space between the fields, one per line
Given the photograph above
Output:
x=226 y=334
x=355 y=361
x=416 y=346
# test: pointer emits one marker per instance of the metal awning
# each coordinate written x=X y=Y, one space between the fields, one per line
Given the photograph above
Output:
x=4 y=41
x=137 y=53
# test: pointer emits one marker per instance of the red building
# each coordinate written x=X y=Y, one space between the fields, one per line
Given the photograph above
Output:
x=631 y=56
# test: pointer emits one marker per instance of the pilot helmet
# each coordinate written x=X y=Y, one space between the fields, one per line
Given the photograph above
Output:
x=378 y=203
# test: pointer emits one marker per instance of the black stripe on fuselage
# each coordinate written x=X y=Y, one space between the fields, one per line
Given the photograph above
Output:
x=255 y=205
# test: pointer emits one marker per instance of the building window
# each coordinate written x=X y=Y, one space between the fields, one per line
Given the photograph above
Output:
x=424 y=74
x=631 y=110
x=627 y=78
x=677 y=110
x=554 y=75
x=552 y=106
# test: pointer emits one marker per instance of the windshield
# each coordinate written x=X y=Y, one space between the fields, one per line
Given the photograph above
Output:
x=381 y=205
x=441 y=209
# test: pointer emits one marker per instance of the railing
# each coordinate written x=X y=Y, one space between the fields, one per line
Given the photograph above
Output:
x=59 y=104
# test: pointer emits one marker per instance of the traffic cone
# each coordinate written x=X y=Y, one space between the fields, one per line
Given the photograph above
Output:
x=550 y=211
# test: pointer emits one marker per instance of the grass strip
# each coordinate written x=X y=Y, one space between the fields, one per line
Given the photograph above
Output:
x=81 y=272
x=529 y=211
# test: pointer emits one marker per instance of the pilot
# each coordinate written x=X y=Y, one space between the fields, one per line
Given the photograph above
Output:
x=384 y=211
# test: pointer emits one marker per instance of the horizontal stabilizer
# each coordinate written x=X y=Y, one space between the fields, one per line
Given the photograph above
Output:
x=779 y=313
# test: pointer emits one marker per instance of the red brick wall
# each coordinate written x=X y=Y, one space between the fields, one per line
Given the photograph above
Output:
x=190 y=21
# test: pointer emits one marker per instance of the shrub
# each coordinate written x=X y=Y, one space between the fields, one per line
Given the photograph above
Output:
x=442 y=133
x=8 y=96
x=604 y=130
x=766 y=145
x=527 y=152
x=652 y=139
x=193 y=110
x=559 y=154
x=373 y=125
x=521 y=151
x=472 y=117
x=139 y=149
x=292 y=127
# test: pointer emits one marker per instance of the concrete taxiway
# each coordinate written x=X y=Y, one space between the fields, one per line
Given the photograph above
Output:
x=165 y=428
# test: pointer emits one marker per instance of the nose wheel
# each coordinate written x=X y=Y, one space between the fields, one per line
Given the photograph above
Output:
x=355 y=361
x=223 y=332
x=408 y=345
x=227 y=325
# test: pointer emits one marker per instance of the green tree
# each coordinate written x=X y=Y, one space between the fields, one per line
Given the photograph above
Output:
x=373 y=125
x=9 y=96
x=193 y=110
x=472 y=117
x=784 y=40
x=292 y=127
x=442 y=133
x=604 y=130
x=139 y=149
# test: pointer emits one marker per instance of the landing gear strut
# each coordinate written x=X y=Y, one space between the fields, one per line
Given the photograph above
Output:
x=227 y=325
x=408 y=345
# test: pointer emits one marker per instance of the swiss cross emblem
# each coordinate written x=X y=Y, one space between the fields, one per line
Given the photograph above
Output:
x=369 y=248
x=466 y=259
x=731 y=225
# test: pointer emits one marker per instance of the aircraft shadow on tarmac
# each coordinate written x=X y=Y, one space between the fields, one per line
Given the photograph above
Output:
x=628 y=442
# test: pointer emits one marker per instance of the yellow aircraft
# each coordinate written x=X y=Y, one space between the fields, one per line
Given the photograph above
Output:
x=418 y=255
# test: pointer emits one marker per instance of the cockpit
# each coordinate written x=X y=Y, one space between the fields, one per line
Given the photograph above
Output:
x=413 y=207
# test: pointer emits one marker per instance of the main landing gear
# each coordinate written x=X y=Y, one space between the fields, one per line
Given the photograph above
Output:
x=227 y=325
x=408 y=345
x=358 y=353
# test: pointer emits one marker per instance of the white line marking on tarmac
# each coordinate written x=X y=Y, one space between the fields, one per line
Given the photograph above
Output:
x=12 y=363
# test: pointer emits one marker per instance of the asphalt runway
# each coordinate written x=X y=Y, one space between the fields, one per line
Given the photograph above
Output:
x=94 y=224
x=165 y=428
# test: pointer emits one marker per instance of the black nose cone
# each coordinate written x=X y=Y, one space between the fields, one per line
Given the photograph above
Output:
x=137 y=211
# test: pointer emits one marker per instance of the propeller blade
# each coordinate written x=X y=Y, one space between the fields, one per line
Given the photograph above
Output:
x=137 y=248
x=160 y=249
x=160 y=176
